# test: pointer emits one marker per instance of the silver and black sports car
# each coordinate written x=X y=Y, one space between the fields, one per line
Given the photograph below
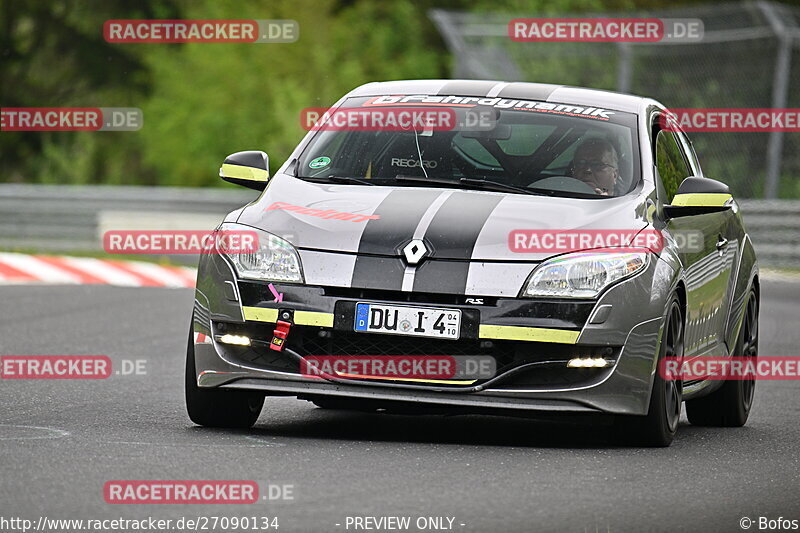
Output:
x=565 y=241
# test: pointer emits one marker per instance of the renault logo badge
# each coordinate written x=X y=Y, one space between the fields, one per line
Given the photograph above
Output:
x=415 y=251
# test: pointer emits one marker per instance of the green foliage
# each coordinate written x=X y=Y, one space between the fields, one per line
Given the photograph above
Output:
x=54 y=55
x=204 y=101
x=211 y=100
x=200 y=101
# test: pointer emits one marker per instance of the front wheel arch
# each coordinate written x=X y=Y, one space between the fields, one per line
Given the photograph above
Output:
x=658 y=427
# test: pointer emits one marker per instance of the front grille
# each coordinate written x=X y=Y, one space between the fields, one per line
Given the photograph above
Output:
x=261 y=356
x=374 y=344
x=313 y=341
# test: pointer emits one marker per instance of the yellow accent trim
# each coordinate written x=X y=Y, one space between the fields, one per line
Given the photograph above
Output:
x=446 y=381
x=301 y=318
x=701 y=199
x=313 y=318
x=241 y=172
x=485 y=331
x=521 y=333
x=260 y=314
x=651 y=209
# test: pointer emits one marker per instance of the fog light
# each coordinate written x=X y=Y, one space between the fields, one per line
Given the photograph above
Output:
x=588 y=362
x=239 y=340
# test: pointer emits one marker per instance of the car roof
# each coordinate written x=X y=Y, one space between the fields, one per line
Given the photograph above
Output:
x=544 y=92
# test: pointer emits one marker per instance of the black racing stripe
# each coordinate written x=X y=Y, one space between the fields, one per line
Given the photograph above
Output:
x=440 y=276
x=457 y=223
x=374 y=272
x=467 y=88
x=399 y=213
x=452 y=235
x=528 y=91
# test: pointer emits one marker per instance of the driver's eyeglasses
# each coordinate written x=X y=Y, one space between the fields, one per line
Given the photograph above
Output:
x=594 y=165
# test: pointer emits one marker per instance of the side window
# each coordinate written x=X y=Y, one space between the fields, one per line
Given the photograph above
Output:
x=691 y=157
x=670 y=163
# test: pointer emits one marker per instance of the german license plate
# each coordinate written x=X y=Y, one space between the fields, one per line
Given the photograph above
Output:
x=403 y=320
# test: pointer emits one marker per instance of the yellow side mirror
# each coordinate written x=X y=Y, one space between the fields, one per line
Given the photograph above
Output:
x=249 y=169
x=698 y=196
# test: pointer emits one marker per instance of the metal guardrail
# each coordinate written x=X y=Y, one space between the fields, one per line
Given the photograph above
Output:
x=55 y=218
x=774 y=227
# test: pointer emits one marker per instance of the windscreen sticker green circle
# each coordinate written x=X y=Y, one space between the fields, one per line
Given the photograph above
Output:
x=320 y=162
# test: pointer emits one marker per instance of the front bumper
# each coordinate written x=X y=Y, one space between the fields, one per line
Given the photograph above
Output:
x=530 y=340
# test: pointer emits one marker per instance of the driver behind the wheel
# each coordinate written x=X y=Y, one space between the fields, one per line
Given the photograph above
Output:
x=596 y=163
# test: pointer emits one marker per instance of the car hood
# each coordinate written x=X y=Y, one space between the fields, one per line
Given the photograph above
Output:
x=454 y=224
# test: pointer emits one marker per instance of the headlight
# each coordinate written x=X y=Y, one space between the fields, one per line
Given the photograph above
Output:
x=274 y=260
x=582 y=275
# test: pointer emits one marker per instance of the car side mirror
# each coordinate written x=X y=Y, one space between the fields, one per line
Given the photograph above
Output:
x=250 y=169
x=697 y=196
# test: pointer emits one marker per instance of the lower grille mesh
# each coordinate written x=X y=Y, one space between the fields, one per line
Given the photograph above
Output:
x=307 y=341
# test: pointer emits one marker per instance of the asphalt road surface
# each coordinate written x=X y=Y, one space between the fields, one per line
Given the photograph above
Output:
x=62 y=440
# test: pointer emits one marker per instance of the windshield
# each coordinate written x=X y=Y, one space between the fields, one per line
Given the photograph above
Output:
x=518 y=146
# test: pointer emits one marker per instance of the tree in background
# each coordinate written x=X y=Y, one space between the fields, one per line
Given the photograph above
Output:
x=54 y=55
x=203 y=101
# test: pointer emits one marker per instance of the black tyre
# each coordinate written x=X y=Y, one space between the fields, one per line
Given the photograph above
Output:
x=658 y=427
x=219 y=408
x=729 y=406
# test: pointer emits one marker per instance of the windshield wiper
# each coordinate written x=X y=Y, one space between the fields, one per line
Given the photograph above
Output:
x=422 y=179
x=497 y=186
x=481 y=184
x=568 y=194
x=341 y=179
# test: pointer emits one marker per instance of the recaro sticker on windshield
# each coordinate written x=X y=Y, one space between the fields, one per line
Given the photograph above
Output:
x=411 y=163
x=320 y=162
